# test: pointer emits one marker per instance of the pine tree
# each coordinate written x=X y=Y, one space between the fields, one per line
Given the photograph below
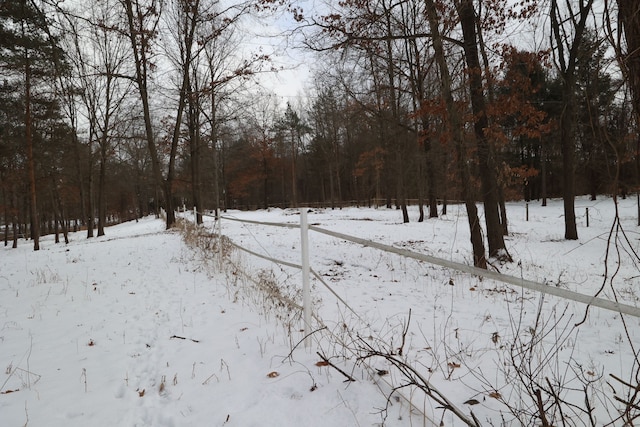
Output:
x=27 y=58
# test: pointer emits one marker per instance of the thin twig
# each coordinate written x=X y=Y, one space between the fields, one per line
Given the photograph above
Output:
x=405 y=330
x=634 y=387
x=541 y=413
x=183 y=338
x=328 y=362
x=303 y=338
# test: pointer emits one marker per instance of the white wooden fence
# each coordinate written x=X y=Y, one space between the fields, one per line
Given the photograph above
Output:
x=588 y=300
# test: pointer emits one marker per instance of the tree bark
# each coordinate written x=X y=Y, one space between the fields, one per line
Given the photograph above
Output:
x=455 y=124
x=194 y=137
x=629 y=15
x=31 y=168
x=103 y=142
x=486 y=162
x=567 y=138
x=139 y=39
x=567 y=68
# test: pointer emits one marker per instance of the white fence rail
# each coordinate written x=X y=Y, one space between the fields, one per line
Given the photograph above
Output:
x=387 y=385
x=588 y=300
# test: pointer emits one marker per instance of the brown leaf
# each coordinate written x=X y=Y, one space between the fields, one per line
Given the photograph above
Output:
x=91 y=343
x=273 y=374
x=495 y=395
x=9 y=391
x=140 y=392
x=322 y=363
x=453 y=365
x=495 y=337
x=472 y=402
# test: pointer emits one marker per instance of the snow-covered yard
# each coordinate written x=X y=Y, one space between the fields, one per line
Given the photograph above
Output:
x=141 y=327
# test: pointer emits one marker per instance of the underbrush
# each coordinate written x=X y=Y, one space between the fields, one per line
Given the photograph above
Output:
x=530 y=373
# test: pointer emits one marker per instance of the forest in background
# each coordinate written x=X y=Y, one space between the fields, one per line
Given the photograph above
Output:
x=111 y=109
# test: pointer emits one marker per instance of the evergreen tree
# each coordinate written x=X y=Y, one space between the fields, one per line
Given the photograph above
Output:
x=28 y=54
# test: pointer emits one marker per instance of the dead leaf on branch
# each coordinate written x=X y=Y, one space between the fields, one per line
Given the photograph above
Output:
x=273 y=374
x=453 y=365
x=322 y=363
x=495 y=337
x=495 y=395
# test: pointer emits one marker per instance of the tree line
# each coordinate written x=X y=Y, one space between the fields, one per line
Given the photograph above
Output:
x=113 y=109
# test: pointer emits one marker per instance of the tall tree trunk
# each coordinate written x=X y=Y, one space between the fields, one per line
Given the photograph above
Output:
x=421 y=178
x=90 y=204
x=543 y=174
x=213 y=123
x=336 y=159
x=191 y=11
x=417 y=77
x=431 y=179
x=396 y=133
x=567 y=139
x=5 y=212
x=194 y=137
x=62 y=215
x=456 y=128
x=77 y=152
x=294 y=172
x=31 y=168
x=102 y=178
x=139 y=39
x=265 y=181
x=567 y=68
x=629 y=15
x=331 y=188
x=485 y=154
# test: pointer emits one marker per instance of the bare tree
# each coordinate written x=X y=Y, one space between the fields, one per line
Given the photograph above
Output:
x=625 y=39
x=104 y=91
x=141 y=27
x=629 y=16
x=485 y=155
x=222 y=70
x=419 y=64
x=456 y=128
x=185 y=16
x=567 y=30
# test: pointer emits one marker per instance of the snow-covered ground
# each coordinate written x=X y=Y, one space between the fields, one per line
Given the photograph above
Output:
x=139 y=328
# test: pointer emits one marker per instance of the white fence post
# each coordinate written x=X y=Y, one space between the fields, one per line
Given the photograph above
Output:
x=306 y=292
